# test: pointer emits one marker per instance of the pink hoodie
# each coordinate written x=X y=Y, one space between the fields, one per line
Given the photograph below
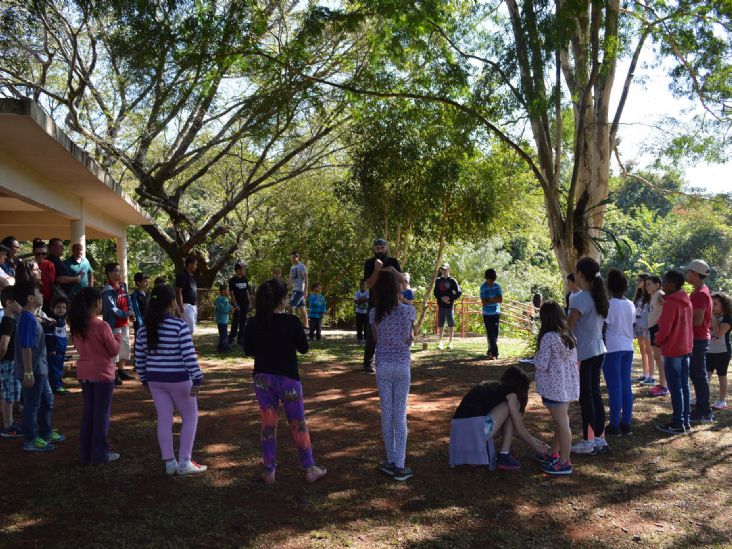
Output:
x=97 y=352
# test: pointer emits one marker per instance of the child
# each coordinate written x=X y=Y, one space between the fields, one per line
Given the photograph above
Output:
x=317 y=306
x=487 y=409
x=675 y=338
x=95 y=370
x=10 y=385
x=557 y=381
x=223 y=308
x=361 y=301
x=138 y=299
x=718 y=355
x=166 y=362
x=32 y=367
x=56 y=343
x=116 y=312
x=642 y=308
x=571 y=290
x=619 y=358
x=655 y=303
x=273 y=339
x=407 y=295
x=587 y=311
x=491 y=296
x=392 y=326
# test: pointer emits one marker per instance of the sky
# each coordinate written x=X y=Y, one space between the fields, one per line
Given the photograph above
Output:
x=648 y=101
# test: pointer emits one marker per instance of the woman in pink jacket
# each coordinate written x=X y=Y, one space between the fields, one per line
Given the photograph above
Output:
x=95 y=369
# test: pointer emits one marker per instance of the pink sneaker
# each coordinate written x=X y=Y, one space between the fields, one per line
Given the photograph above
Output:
x=658 y=390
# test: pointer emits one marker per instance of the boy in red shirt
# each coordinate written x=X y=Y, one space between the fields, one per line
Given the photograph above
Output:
x=674 y=337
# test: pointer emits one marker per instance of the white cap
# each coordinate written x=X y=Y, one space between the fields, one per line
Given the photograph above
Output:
x=698 y=266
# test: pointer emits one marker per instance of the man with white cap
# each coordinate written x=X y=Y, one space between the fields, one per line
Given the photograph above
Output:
x=701 y=301
x=446 y=292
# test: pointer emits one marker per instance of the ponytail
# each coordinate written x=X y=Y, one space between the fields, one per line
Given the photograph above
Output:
x=269 y=295
x=590 y=270
x=161 y=298
x=82 y=307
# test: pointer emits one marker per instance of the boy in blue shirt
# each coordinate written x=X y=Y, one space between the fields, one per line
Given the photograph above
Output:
x=316 y=309
x=56 y=343
x=491 y=296
x=32 y=368
x=223 y=308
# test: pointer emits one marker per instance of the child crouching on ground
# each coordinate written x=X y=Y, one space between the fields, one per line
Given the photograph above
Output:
x=223 y=308
x=557 y=381
x=10 y=386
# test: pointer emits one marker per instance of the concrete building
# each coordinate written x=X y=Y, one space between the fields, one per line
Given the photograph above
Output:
x=49 y=187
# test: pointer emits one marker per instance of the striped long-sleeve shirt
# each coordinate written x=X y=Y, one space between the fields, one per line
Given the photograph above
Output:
x=173 y=360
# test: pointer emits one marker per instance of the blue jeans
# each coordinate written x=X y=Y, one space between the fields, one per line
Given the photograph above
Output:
x=224 y=344
x=616 y=368
x=677 y=377
x=37 y=410
x=698 y=374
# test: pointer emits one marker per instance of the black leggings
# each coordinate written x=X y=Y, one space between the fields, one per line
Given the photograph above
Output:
x=591 y=405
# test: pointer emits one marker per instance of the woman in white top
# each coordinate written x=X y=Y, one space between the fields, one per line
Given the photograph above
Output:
x=619 y=358
x=653 y=287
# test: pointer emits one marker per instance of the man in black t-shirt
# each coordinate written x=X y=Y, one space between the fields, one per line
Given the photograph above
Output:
x=371 y=270
x=239 y=289
x=64 y=277
x=186 y=296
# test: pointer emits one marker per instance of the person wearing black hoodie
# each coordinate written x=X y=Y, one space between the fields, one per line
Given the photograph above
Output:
x=446 y=292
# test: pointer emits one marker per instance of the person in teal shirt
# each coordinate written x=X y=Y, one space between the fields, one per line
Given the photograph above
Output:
x=317 y=306
x=223 y=308
x=491 y=296
x=79 y=266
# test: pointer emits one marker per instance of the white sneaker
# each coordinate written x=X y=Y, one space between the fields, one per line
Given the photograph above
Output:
x=449 y=345
x=692 y=401
x=720 y=405
x=190 y=468
x=601 y=445
x=583 y=447
x=440 y=346
x=112 y=456
x=171 y=467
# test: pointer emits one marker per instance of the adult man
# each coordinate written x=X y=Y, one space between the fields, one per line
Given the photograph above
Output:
x=186 y=293
x=447 y=291
x=371 y=270
x=299 y=285
x=701 y=302
x=64 y=277
x=239 y=289
x=491 y=296
x=116 y=312
x=12 y=261
x=79 y=265
x=48 y=271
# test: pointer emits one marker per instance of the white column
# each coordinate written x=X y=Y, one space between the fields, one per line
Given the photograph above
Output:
x=78 y=228
x=122 y=255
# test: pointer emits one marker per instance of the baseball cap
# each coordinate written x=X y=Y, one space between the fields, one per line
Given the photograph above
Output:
x=139 y=277
x=445 y=266
x=698 y=266
x=380 y=242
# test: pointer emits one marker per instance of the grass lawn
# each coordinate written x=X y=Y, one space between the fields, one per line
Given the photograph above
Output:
x=649 y=490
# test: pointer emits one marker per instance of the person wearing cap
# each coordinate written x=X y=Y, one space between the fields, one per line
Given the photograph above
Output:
x=371 y=270
x=446 y=292
x=701 y=301
x=239 y=290
x=79 y=265
x=299 y=285
x=138 y=299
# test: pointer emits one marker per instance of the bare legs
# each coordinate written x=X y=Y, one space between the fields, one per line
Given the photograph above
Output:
x=658 y=359
x=646 y=356
x=562 y=432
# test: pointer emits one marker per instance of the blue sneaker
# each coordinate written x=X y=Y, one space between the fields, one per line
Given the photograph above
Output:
x=640 y=379
x=506 y=462
x=545 y=459
x=387 y=468
x=558 y=468
x=56 y=437
x=38 y=445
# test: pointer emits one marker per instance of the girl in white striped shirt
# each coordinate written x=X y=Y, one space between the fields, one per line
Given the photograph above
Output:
x=166 y=362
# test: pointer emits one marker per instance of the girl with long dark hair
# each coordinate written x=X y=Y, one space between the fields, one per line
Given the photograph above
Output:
x=487 y=409
x=557 y=381
x=587 y=311
x=95 y=369
x=642 y=302
x=274 y=338
x=655 y=307
x=392 y=326
x=166 y=362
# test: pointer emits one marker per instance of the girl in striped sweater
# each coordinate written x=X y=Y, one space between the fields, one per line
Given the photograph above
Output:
x=166 y=362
